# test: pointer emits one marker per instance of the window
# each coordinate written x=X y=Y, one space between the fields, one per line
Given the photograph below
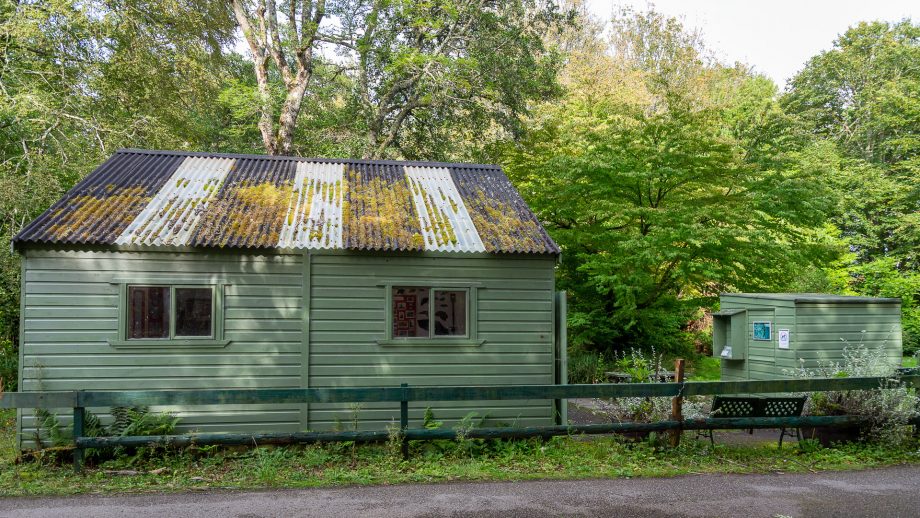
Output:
x=450 y=312
x=165 y=312
x=193 y=311
x=422 y=312
x=148 y=312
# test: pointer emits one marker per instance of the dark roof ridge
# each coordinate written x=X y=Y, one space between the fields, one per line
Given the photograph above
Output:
x=419 y=163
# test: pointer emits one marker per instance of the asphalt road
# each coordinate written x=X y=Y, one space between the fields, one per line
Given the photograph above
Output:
x=890 y=492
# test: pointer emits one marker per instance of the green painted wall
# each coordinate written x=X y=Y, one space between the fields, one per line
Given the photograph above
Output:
x=819 y=332
x=514 y=315
x=72 y=304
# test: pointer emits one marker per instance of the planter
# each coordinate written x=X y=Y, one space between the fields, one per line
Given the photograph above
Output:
x=828 y=435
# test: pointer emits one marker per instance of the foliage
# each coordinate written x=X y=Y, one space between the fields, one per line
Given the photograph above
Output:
x=323 y=466
x=125 y=421
x=887 y=409
x=883 y=278
x=79 y=79
x=705 y=368
x=586 y=366
x=9 y=366
x=646 y=368
x=640 y=367
x=861 y=95
x=406 y=67
x=667 y=178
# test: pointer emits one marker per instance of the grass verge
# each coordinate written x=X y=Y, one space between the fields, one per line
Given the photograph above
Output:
x=349 y=464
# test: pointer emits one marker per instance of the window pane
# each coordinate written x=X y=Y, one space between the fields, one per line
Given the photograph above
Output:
x=148 y=311
x=410 y=312
x=450 y=313
x=193 y=311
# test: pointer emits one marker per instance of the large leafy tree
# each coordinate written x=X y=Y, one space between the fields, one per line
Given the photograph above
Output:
x=862 y=95
x=78 y=79
x=417 y=71
x=667 y=178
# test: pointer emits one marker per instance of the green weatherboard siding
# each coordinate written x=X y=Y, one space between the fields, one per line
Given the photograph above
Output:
x=288 y=321
x=820 y=327
x=511 y=327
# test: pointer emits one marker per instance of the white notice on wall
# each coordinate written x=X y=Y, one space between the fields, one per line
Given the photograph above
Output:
x=783 y=338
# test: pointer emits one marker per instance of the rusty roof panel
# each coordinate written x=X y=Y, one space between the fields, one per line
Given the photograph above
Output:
x=504 y=221
x=172 y=198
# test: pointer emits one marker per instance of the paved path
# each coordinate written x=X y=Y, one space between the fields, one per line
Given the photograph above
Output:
x=890 y=492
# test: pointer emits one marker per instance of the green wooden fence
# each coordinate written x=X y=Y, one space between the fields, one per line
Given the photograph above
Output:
x=80 y=400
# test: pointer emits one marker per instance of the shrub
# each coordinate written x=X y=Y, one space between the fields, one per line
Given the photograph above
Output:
x=646 y=368
x=586 y=366
x=126 y=421
x=9 y=365
x=886 y=410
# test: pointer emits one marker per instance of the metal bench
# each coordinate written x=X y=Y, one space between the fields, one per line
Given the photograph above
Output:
x=757 y=406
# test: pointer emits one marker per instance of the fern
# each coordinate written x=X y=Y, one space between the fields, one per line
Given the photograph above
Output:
x=126 y=421
x=121 y=419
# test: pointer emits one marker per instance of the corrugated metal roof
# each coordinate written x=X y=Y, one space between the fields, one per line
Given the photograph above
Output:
x=314 y=215
x=445 y=223
x=173 y=213
x=504 y=221
x=171 y=198
x=816 y=298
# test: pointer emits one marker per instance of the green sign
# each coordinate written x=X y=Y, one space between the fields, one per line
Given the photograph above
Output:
x=763 y=331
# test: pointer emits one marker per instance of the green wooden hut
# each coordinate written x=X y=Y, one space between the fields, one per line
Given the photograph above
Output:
x=766 y=335
x=179 y=270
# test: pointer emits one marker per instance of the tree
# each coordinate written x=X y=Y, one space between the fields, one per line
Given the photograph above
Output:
x=667 y=178
x=862 y=95
x=418 y=70
x=292 y=47
x=78 y=79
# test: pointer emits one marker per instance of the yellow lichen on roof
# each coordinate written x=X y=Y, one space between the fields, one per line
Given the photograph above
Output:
x=247 y=213
x=441 y=227
x=379 y=213
x=78 y=220
x=501 y=226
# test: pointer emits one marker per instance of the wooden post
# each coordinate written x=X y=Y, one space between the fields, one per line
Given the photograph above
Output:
x=404 y=420
x=79 y=416
x=677 y=402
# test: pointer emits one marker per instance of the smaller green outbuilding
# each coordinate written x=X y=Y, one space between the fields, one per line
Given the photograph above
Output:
x=767 y=335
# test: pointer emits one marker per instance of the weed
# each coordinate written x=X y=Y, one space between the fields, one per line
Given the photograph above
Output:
x=268 y=464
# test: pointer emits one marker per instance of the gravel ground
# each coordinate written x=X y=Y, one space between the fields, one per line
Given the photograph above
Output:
x=890 y=492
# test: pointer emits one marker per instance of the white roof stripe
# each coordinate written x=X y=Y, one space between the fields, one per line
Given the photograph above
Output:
x=174 y=211
x=445 y=221
x=314 y=217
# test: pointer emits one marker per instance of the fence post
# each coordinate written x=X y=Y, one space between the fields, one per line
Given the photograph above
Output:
x=404 y=420
x=677 y=403
x=79 y=416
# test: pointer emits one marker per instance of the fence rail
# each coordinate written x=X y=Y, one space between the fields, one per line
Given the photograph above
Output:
x=80 y=400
